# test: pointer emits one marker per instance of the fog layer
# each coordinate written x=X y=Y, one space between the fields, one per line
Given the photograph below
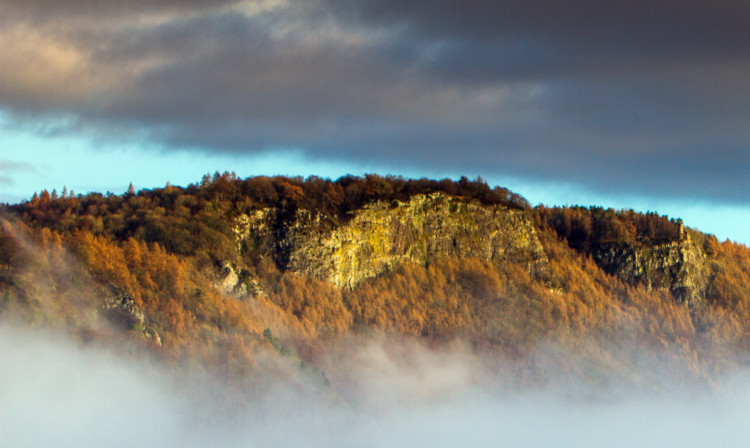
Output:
x=55 y=392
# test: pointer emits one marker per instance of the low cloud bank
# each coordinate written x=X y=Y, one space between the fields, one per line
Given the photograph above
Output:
x=55 y=392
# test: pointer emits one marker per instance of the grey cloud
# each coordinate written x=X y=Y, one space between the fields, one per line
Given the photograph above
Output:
x=637 y=27
x=633 y=96
x=11 y=166
x=42 y=11
x=8 y=168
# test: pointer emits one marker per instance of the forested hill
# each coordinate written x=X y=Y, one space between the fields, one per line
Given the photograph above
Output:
x=229 y=269
x=184 y=220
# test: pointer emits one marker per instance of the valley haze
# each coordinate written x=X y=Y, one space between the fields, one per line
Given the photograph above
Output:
x=85 y=396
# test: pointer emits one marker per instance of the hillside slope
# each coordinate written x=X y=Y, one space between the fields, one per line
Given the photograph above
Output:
x=231 y=270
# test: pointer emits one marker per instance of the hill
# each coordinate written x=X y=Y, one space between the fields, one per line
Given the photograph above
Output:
x=230 y=271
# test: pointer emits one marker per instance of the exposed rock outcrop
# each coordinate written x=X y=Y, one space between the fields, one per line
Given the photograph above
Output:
x=230 y=283
x=123 y=311
x=679 y=266
x=383 y=235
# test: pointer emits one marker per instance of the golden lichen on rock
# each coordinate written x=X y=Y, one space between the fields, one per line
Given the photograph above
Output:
x=383 y=235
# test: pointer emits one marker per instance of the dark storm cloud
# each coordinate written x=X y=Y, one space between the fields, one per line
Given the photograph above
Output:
x=628 y=96
x=636 y=28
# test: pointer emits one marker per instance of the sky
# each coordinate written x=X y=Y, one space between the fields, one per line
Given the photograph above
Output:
x=640 y=104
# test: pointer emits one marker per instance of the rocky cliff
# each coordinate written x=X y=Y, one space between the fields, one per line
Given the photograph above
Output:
x=679 y=266
x=383 y=235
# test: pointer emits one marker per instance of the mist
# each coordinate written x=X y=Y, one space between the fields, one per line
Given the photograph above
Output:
x=380 y=393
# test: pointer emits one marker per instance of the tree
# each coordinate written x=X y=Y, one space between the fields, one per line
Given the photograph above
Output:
x=44 y=198
x=8 y=250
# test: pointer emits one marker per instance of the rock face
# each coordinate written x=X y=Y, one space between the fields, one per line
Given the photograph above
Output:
x=230 y=283
x=679 y=266
x=383 y=235
x=122 y=310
